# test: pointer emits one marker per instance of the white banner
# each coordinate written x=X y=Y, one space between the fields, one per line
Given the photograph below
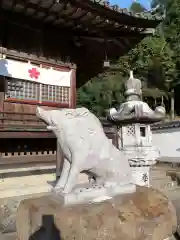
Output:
x=26 y=71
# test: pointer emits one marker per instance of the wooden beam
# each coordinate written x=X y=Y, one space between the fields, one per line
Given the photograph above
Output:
x=57 y=15
x=47 y=28
x=119 y=43
x=5 y=133
x=48 y=11
x=37 y=7
x=2 y=93
x=25 y=7
x=73 y=89
x=36 y=59
x=61 y=15
x=109 y=37
x=102 y=40
x=14 y=5
x=20 y=19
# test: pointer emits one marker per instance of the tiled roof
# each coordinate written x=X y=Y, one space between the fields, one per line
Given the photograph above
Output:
x=146 y=15
x=166 y=125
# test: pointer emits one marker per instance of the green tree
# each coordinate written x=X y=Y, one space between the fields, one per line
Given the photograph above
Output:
x=137 y=8
x=158 y=56
x=171 y=34
x=101 y=93
x=160 y=6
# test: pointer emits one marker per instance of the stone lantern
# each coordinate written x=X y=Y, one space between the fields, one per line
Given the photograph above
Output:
x=133 y=119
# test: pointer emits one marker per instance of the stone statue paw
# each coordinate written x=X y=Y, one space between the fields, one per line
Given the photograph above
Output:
x=58 y=189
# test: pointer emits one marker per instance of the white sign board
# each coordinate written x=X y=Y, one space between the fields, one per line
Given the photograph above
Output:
x=26 y=71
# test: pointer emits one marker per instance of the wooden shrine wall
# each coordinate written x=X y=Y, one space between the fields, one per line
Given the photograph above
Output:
x=27 y=43
x=43 y=42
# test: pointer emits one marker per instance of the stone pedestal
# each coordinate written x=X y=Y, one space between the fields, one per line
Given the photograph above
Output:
x=135 y=141
x=134 y=118
x=141 y=175
x=146 y=214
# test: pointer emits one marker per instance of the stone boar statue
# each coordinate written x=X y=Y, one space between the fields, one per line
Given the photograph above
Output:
x=85 y=148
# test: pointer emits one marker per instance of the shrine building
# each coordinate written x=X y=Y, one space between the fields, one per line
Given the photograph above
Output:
x=49 y=48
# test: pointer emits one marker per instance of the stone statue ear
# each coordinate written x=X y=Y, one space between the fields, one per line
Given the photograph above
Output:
x=131 y=74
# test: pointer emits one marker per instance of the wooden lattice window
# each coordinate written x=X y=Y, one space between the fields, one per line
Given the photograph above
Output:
x=21 y=89
x=27 y=90
x=55 y=94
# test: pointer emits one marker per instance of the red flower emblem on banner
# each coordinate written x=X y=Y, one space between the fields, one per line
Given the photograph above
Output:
x=34 y=73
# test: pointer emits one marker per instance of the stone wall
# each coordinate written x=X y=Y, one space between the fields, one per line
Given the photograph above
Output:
x=167 y=140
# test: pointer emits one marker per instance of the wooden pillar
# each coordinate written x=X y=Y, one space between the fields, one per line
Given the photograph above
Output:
x=2 y=92
x=59 y=161
x=73 y=89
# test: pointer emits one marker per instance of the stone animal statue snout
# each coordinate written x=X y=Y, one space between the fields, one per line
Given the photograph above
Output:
x=86 y=148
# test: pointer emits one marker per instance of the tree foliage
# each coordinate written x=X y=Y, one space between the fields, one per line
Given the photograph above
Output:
x=137 y=8
x=101 y=93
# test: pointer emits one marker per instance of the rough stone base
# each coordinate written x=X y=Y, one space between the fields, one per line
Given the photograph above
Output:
x=84 y=193
x=144 y=215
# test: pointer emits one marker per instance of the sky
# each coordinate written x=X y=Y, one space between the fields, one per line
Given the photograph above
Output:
x=127 y=3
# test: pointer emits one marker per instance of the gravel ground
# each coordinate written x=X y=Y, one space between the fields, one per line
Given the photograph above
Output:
x=8 y=208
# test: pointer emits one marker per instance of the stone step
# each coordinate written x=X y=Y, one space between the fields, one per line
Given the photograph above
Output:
x=30 y=184
x=173 y=193
x=164 y=185
x=159 y=178
x=157 y=174
x=174 y=175
x=9 y=236
x=162 y=168
x=16 y=192
x=163 y=182
x=164 y=179
x=25 y=171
